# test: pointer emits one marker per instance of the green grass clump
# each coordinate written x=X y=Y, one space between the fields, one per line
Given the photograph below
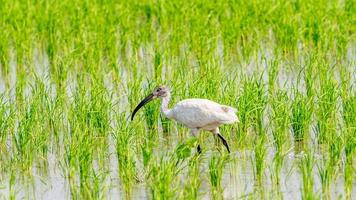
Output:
x=251 y=104
x=301 y=116
x=280 y=119
x=280 y=132
x=306 y=166
x=125 y=151
x=349 y=139
x=216 y=168
x=6 y=124
x=326 y=111
x=162 y=178
x=191 y=189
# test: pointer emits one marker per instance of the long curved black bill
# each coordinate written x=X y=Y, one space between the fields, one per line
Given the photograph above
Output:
x=141 y=104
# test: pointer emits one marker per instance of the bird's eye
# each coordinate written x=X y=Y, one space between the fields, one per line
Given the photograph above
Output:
x=159 y=89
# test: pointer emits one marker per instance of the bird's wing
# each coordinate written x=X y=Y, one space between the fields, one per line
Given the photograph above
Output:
x=202 y=112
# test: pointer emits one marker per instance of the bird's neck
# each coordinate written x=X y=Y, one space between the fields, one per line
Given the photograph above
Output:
x=164 y=106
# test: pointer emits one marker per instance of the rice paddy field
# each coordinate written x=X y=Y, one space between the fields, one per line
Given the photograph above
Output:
x=72 y=71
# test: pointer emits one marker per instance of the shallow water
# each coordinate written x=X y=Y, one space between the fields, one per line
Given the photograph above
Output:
x=238 y=175
x=237 y=181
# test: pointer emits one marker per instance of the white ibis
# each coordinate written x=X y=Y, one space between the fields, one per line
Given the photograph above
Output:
x=196 y=114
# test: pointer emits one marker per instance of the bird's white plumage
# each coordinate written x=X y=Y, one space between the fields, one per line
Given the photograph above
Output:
x=196 y=114
x=202 y=114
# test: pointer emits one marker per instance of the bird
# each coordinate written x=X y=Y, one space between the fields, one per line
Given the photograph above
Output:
x=196 y=114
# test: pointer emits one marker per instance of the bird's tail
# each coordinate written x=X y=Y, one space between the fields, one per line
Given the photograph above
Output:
x=232 y=114
x=229 y=109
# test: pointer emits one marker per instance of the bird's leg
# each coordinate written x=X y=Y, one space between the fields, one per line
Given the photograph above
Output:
x=198 y=149
x=217 y=132
x=195 y=133
x=224 y=142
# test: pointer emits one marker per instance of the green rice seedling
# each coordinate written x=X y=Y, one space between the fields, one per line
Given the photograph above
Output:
x=100 y=106
x=244 y=107
x=273 y=70
x=148 y=141
x=4 y=52
x=301 y=116
x=287 y=34
x=211 y=75
x=19 y=90
x=99 y=185
x=216 y=168
x=259 y=103
x=229 y=89
x=326 y=111
x=327 y=134
x=158 y=65
x=60 y=73
x=251 y=105
x=280 y=120
x=12 y=180
x=41 y=131
x=334 y=151
x=306 y=165
x=26 y=140
x=349 y=175
x=349 y=110
x=6 y=123
x=55 y=115
x=147 y=151
x=86 y=139
x=309 y=78
x=133 y=91
x=162 y=177
x=325 y=171
x=78 y=163
x=259 y=159
x=71 y=169
x=191 y=188
x=124 y=136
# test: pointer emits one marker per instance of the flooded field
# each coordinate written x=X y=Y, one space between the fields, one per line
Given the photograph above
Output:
x=71 y=76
